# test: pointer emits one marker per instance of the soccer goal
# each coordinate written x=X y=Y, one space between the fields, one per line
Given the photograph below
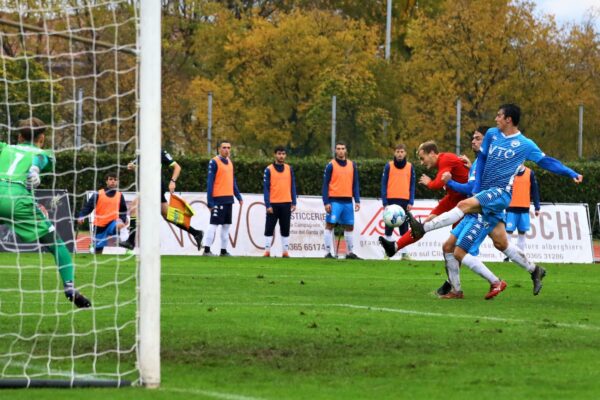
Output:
x=80 y=90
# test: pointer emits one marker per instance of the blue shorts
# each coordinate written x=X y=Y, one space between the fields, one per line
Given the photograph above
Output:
x=493 y=201
x=102 y=234
x=517 y=221
x=341 y=213
x=461 y=225
x=473 y=233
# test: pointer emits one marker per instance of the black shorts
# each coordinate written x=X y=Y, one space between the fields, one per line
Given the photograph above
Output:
x=221 y=214
x=282 y=212
x=163 y=189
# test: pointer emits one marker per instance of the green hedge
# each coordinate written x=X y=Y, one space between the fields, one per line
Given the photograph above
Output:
x=79 y=174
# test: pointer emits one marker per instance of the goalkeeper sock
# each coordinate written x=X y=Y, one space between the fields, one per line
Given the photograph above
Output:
x=224 y=236
x=285 y=243
x=61 y=256
x=444 y=219
x=349 y=237
x=268 y=241
x=328 y=238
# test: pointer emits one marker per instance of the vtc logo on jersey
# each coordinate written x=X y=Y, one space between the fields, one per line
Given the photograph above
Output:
x=502 y=152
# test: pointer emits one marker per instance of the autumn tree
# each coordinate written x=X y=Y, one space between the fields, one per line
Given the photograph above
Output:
x=279 y=77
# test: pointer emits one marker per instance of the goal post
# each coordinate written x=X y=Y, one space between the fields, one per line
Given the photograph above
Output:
x=150 y=141
x=88 y=70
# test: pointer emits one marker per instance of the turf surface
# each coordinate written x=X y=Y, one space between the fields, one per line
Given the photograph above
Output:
x=248 y=328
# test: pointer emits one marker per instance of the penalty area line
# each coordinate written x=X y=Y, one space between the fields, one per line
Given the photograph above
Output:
x=400 y=311
x=210 y=393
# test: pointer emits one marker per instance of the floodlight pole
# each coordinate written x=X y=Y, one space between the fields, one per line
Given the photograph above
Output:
x=333 y=122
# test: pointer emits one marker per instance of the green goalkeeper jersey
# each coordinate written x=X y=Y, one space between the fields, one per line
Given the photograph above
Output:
x=16 y=160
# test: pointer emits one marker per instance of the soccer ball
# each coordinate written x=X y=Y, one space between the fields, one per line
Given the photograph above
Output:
x=393 y=216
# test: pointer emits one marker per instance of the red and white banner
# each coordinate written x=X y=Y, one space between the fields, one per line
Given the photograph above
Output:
x=561 y=233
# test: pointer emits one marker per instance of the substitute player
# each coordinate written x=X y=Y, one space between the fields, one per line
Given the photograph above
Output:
x=20 y=168
x=279 y=190
x=111 y=212
x=220 y=190
x=340 y=186
x=503 y=151
x=525 y=189
x=431 y=158
x=398 y=187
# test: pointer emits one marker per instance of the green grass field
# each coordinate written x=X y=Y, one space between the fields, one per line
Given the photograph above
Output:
x=248 y=328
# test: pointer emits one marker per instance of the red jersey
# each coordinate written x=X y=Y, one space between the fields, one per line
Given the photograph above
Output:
x=449 y=162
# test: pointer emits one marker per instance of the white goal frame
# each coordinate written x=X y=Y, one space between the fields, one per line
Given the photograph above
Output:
x=149 y=207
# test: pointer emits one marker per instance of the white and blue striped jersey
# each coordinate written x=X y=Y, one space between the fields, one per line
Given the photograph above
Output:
x=504 y=155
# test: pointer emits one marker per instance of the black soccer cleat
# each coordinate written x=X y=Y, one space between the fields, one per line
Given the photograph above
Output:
x=225 y=254
x=417 y=231
x=198 y=238
x=536 y=276
x=390 y=247
x=329 y=255
x=444 y=289
x=352 y=256
x=78 y=299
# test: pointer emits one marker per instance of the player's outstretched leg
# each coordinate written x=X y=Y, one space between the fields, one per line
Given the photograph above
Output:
x=65 y=269
x=536 y=276
x=417 y=231
x=389 y=246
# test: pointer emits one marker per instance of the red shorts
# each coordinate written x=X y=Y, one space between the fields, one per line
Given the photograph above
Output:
x=447 y=203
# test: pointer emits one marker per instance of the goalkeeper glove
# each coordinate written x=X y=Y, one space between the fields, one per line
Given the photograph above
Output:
x=33 y=177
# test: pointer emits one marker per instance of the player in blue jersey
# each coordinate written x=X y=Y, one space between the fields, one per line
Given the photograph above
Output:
x=503 y=151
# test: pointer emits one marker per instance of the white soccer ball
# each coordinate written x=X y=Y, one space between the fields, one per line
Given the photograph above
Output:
x=394 y=216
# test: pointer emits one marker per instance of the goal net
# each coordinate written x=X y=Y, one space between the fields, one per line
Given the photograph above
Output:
x=74 y=66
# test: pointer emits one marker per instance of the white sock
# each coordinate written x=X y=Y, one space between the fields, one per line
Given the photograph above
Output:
x=285 y=243
x=445 y=219
x=209 y=238
x=389 y=237
x=453 y=267
x=349 y=236
x=479 y=268
x=224 y=236
x=328 y=235
x=268 y=241
x=521 y=241
x=518 y=256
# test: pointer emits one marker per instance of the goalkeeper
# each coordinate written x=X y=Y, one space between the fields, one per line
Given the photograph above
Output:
x=20 y=168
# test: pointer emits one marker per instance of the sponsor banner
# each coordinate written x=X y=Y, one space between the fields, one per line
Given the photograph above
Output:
x=561 y=233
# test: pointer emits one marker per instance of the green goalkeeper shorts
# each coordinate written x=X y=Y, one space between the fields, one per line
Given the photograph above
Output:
x=19 y=210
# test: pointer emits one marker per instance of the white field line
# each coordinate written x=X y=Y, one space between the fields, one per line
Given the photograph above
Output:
x=210 y=393
x=397 y=311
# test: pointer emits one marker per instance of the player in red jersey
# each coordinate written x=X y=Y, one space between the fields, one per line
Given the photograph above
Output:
x=431 y=158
